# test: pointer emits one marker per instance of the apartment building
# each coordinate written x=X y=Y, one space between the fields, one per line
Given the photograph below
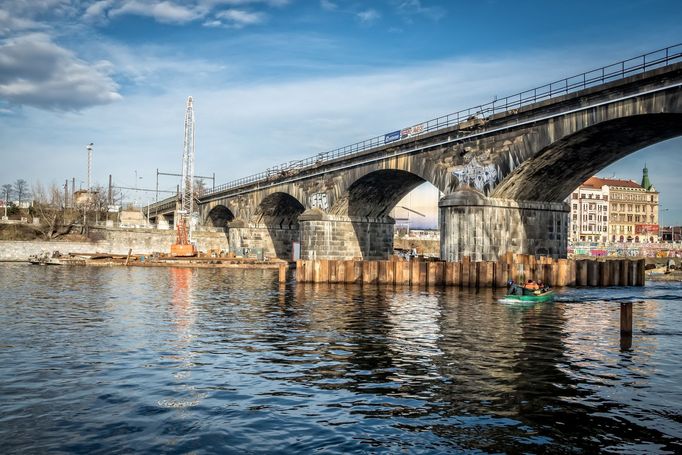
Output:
x=615 y=210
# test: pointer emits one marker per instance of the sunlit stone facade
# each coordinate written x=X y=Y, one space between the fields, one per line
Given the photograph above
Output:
x=615 y=210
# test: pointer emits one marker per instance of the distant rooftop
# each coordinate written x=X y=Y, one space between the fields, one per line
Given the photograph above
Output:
x=598 y=182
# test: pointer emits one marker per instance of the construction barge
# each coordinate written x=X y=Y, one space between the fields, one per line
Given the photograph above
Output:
x=211 y=260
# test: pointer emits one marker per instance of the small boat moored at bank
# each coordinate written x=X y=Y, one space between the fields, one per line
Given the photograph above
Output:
x=45 y=259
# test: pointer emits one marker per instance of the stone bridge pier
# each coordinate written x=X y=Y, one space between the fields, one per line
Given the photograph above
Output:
x=325 y=236
x=484 y=228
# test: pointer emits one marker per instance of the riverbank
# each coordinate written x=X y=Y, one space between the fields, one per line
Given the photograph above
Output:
x=116 y=241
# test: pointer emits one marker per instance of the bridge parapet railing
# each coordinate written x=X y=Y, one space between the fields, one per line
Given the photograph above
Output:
x=469 y=116
x=161 y=204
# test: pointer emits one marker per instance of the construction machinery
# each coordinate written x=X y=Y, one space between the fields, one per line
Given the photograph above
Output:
x=184 y=246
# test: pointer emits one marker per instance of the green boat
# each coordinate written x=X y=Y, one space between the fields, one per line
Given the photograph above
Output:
x=518 y=293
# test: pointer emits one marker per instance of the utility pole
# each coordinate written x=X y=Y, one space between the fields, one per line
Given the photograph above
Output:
x=89 y=149
x=66 y=193
x=109 y=195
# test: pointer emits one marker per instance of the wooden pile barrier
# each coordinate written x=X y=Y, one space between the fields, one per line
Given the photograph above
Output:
x=471 y=274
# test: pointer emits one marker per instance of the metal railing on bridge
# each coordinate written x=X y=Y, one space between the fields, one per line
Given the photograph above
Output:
x=620 y=70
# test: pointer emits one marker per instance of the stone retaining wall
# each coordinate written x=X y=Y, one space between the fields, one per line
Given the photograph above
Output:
x=114 y=241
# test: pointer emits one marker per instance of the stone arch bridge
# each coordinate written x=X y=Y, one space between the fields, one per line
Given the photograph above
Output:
x=504 y=170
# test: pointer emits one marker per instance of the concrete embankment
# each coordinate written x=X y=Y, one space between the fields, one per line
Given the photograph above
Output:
x=112 y=241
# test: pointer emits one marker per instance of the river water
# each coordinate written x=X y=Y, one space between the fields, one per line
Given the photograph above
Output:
x=120 y=360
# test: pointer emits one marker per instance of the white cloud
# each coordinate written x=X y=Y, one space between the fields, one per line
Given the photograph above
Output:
x=275 y=3
x=368 y=16
x=176 y=12
x=241 y=18
x=98 y=10
x=163 y=11
x=10 y=23
x=328 y=5
x=34 y=71
x=155 y=67
x=415 y=8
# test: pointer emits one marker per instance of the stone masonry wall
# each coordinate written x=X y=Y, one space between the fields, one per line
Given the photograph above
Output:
x=346 y=238
x=276 y=242
x=114 y=241
x=487 y=230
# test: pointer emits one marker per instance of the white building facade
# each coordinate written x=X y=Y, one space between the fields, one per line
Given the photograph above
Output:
x=589 y=220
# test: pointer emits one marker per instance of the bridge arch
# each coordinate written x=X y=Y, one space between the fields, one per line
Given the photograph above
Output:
x=557 y=169
x=276 y=226
x=376 y=193
x=219 y=216
x=279 y=209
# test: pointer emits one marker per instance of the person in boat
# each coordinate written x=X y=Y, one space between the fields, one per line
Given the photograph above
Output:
x=543 y=286
x=532 y=285
x=514 y=289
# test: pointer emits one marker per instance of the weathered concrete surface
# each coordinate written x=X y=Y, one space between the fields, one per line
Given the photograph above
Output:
x=486 y=228
x=539 y=153
x=114 y=241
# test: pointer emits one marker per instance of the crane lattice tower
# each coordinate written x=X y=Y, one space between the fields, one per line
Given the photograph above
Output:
x=187 y=196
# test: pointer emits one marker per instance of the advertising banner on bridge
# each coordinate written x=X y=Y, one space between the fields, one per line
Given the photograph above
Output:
x=646 y=229
x=392 y=136
x=412 y=131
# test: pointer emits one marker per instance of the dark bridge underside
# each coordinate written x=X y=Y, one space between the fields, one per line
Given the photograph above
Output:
x=219 y=216
x=279 y=209
x=375 y=194
x=560 y=168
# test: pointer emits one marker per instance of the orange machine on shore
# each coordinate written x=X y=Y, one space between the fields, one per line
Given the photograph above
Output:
x=182 y=246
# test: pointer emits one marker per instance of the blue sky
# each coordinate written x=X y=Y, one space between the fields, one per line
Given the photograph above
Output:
x=277 y=80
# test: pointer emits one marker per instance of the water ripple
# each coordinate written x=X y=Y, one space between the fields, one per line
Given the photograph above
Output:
x=226 y=361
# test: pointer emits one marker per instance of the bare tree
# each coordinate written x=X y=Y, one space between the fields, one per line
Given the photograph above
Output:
x=199 y=187
x=7 y=192
x=55 y=219
x=21 y=189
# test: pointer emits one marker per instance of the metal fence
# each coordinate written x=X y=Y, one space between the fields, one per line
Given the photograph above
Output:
x=625 y=68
